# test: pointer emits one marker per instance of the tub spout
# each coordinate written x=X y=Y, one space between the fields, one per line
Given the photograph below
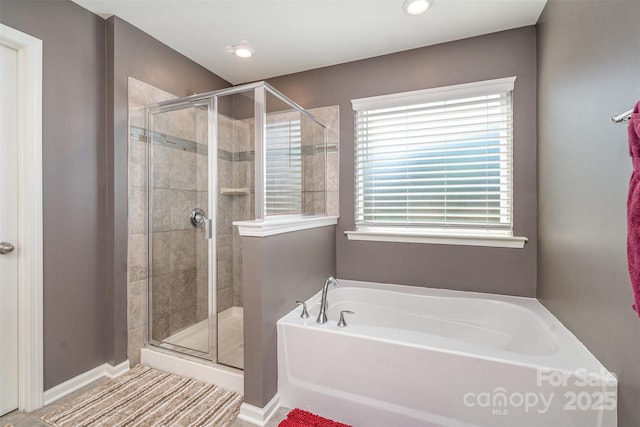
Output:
x=324 y=304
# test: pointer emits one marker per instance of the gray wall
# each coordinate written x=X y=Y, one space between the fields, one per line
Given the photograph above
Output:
x=589 y=66
x=278 y=270
x=504 y=54
x=133 y=53
x=73 y=136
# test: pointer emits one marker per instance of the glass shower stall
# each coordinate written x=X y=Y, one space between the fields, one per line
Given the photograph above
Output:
x=238 y=154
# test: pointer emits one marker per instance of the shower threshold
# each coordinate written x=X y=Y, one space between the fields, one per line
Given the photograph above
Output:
x=193 y=367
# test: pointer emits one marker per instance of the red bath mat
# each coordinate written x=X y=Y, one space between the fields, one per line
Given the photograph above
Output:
x=300 y=418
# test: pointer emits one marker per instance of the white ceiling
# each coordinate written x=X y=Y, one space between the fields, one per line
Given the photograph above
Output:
x=296 y=35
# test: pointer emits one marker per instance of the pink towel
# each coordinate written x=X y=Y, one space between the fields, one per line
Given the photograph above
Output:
x=633 y=208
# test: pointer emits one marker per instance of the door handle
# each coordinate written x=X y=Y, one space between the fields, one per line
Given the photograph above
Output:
x=6 y=247
x=197 y=217
x=208 y=228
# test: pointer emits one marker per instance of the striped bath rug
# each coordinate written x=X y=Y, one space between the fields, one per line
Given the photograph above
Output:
x=148 y=397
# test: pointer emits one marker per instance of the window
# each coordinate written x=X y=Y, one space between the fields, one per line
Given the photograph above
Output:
x=283 y=193
x=436 y=161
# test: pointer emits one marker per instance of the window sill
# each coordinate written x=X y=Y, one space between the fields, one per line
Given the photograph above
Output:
x=439 y=238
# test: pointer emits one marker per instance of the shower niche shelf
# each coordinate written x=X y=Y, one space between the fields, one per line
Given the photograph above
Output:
x=234 y=191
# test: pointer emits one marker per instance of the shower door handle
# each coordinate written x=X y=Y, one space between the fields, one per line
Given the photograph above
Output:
x=208 y=228
x=6 y=248
x=197 y=217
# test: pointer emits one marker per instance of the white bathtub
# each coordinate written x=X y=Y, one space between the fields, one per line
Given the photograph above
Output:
x=427 y=357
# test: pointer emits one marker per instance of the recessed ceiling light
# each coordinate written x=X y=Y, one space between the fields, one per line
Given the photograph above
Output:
x=244 y=52
x=241 y=50
x=416 y=7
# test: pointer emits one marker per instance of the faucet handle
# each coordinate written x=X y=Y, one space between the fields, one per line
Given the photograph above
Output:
x=305 y=313
x=341 y=322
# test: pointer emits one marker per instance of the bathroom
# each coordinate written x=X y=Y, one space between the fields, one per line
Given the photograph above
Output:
x=576 y=66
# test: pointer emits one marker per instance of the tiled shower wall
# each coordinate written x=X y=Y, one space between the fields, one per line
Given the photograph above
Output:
x=235 y=174
x=313 y=166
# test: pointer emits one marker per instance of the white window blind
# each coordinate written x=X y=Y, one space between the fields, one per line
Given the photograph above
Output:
x=436 y=159
x=283 y=192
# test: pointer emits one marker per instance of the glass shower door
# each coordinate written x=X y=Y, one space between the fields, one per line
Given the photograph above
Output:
x=180 y=227
x=235 y=136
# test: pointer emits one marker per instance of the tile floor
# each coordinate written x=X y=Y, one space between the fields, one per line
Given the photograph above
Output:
x=20 y=419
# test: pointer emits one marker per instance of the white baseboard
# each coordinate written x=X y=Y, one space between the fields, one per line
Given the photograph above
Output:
x=259 y=416
x=115 y=371
x=76 y=383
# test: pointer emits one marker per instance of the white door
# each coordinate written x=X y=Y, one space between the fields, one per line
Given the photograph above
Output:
x=8 y=229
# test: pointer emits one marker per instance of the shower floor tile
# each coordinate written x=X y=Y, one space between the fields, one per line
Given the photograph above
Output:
x=195 y=337
x=230 y=337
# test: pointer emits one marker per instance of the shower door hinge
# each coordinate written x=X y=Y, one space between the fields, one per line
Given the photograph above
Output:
x=208 y=228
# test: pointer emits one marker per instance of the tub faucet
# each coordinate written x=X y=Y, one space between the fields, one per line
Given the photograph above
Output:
x=324 y=304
